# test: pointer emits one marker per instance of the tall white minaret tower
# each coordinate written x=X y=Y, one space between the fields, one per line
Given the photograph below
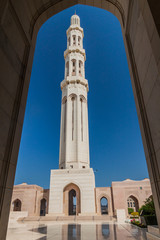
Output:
x=74 y=178
x=74 y=141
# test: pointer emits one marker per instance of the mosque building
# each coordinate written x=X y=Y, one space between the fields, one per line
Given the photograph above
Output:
x=72 y=187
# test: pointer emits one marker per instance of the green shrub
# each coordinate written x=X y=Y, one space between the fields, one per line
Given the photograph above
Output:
x=148 y=208
x=150 y=219
x=130 y=210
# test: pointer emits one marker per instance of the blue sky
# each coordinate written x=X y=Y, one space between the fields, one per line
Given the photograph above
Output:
x=116 y=149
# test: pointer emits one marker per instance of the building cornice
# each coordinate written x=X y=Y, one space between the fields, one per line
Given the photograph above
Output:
x=75 y=28
x=70 y=80
x=75 y=50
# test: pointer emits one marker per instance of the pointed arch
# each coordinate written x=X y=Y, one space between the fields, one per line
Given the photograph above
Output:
x=17 y=205
x=82 y=98
x=43 y=206
x=69 y=207
x=104 y=205
x=132 y=202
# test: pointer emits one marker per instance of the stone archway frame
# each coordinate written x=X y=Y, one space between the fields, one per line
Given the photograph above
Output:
x=38 y=203
x=130 y=196
x=140 y=31
x=15 y=201
x=98 y=201
x=66 y=191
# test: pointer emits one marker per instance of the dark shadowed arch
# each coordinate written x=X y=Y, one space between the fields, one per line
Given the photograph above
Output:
x=43 y=207
x=17 y=205
x=104 y=205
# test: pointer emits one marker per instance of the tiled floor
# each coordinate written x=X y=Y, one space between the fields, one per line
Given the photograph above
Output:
x=72 y=231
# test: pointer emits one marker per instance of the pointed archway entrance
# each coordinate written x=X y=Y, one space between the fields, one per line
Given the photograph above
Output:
x=71 y=200
x=17 y=205
x=43 y=206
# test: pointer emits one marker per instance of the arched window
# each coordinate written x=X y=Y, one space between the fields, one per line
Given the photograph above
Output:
x=17 y=204
x=74 y=40
x=64 y=102
x=81 y=100
x=132 y=202
x=80 y=68
x=73 y=67
x=72 y=202
x=104 y=205
x=73 y=102
x=69 y=41
x=43 y=206
x=67 y=69
x=79 y=41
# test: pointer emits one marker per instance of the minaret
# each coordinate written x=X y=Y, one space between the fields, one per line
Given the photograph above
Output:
x=74 y=178
x=74 y=141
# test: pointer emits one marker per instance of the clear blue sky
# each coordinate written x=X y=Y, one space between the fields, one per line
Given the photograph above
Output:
x=116 y=149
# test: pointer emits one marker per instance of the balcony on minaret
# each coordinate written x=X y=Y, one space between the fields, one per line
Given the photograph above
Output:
x=73 y=80
x=75 y=49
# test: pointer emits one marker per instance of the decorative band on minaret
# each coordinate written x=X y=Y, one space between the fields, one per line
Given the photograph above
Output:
x=74 y=140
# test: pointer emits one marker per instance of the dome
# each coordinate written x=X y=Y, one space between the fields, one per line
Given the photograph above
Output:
x=75 y=20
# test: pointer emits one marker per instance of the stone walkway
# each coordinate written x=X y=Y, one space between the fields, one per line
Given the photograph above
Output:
x=71 y=231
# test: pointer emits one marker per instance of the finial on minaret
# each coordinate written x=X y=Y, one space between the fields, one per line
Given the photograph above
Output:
x=75 y=12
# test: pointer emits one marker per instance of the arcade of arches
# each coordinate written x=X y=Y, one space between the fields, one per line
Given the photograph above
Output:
x=34 y=200
x=31 y=199
x=20 y=22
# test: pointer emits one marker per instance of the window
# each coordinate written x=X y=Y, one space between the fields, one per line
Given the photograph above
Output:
x=79 y=41
x=69 y=41
x=71 y=166
x=67 y=69
x=73 y=67
x=73 y=99
x=17 y=205
x=74 y=40
x=80 y=68
x=83 y=167
x=65 y=117
x=81 y=119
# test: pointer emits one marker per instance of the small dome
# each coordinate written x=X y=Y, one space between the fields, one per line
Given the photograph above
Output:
x=75 y=20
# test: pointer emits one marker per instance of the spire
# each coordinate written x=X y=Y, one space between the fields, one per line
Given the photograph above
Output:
x=75 y=19
x=74 y=140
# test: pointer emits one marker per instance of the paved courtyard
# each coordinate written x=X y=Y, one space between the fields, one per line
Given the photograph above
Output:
x=74 y=231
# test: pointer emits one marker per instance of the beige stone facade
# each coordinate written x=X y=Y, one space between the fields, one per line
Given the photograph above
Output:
x=31 y=197
x=138 y=191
